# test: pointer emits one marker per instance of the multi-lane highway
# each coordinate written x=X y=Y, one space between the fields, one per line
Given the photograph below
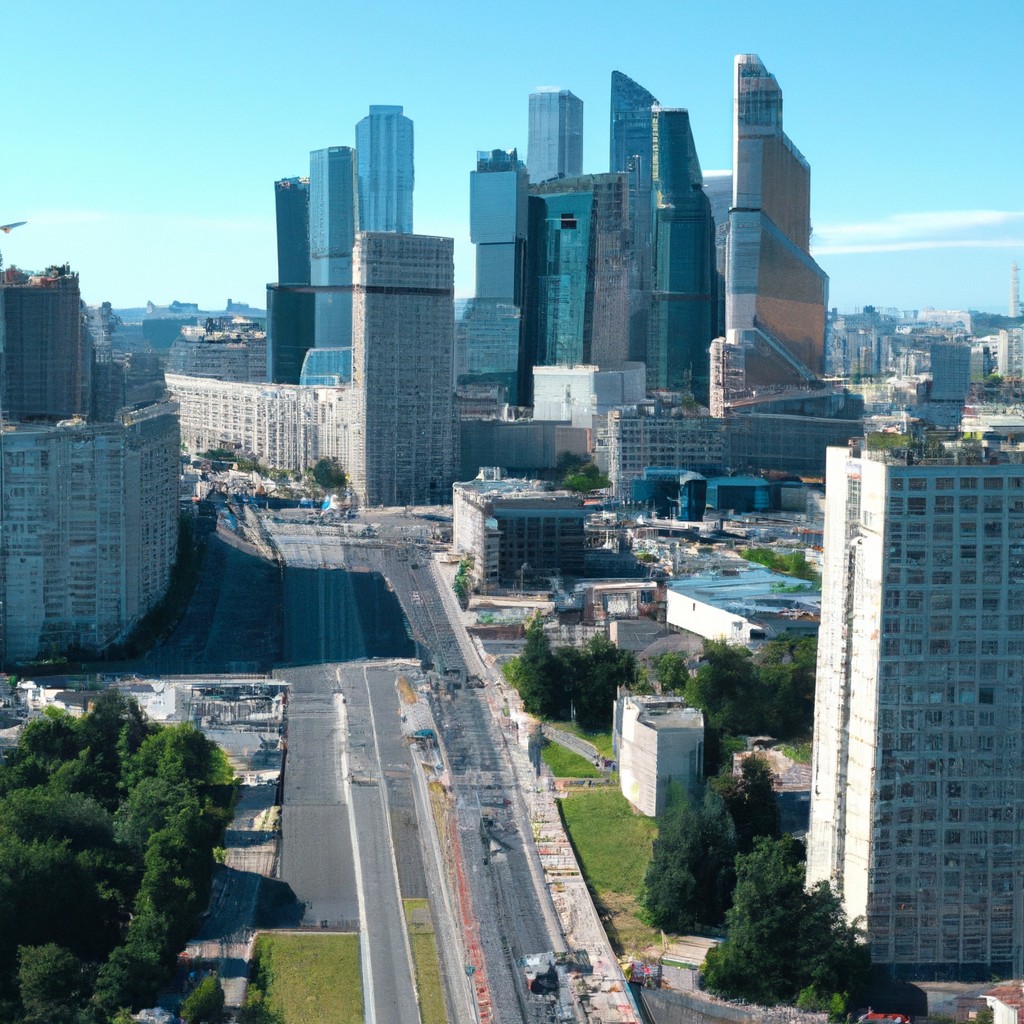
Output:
x=358 y=834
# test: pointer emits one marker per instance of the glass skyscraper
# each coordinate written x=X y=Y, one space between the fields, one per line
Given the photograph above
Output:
x=776 y=294
x=291 y=200
x=333 y=223
x=384 y=142
x=577 y=308
x=555 y=136
x=684 y=305
x=488 y=333
x=631 y=154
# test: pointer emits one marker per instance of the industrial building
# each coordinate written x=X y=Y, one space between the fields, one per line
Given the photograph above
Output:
x=515 y=529
x=659 y=744
x=917 y=797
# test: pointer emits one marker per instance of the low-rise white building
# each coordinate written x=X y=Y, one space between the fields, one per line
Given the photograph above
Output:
x=577 y=394
x=742 y=604
x=659 y=742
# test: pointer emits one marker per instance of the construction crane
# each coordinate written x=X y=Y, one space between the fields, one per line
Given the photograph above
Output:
x=7 y=229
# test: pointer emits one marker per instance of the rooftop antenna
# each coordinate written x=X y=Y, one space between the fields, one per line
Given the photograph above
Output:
x=7 y=229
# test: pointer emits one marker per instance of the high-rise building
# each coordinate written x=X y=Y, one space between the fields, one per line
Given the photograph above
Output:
x=555 y=143
x=577 y=303
x=334 y=219
x=776 y=295
x=402 y=369
x=917 y=794
x=631 y=153
x=89 y=509
x=684 y=310
x=291 y=201
x=384 y=142
x=498 y=191
x=45 y=357
x=1014 y=290
x=488 y=331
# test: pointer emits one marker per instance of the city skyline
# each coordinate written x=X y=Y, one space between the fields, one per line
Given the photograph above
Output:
x=152 y=171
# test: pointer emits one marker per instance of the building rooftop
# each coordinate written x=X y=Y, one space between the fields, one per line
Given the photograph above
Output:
x=749 y=591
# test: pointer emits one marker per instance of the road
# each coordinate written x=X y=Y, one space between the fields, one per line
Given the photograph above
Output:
x=502 y=909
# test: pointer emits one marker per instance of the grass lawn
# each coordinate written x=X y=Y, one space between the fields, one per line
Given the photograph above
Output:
x=309 y=979
x=567 y=764
x=613 y=844
x=425 y=960
x=601 y=740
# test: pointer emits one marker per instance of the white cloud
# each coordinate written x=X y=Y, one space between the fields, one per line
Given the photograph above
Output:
x=904 y=232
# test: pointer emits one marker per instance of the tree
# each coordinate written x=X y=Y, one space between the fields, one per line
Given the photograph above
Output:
x=602 y=669
x=727 y=689
x=671 y=672
x=533 y=673
x=786 y=667
x=587 y=478
x=328 y=474
x=50 y=983
x=785 y=942
x=205 y=1004
x=690 y=878
x=750 y=798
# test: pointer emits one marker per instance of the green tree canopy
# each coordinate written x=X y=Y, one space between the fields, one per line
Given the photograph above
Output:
x=205 y=1004
x=328 y=474
x=750 y=798
x=689 y=881
x=782 y=938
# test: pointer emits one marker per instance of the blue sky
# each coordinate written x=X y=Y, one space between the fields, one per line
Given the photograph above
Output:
x=141 y=141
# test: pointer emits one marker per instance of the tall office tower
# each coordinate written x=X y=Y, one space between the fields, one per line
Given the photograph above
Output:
x=402 y=369
x=776 y=295
x=917 y=795
x=333 y=222
x=631 y=153
x=45 y=357
x=684 y=311
x=291 y=302
x=718 y=189
x=384 y=143
x=1014 y=290
x=487 y=334
x=291 y=201
x=498 y=190
x=555 y=142
x=577 y=305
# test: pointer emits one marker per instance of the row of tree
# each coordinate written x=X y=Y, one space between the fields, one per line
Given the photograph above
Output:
x=107 y=826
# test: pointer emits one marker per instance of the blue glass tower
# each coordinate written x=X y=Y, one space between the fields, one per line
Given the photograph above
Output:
x=291 y=196
x=290 y=301
x=384 y=142
x=488 y=333
x=333 y=222
x=684 y=308
x=577 y=308
x=631 y=153
x=555 y=136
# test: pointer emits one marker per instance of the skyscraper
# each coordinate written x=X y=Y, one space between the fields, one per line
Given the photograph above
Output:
x=333 y=222
x=45 y=357
x=291 y=200
x=384 y=143
x=577 y=308
x=488 y=333
x=917 y=794
x=684 y=309
x=631 y=154
x=776 y=294
x=497 y=224
x=402 y=367
x=555 y=146
x=290 y=301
